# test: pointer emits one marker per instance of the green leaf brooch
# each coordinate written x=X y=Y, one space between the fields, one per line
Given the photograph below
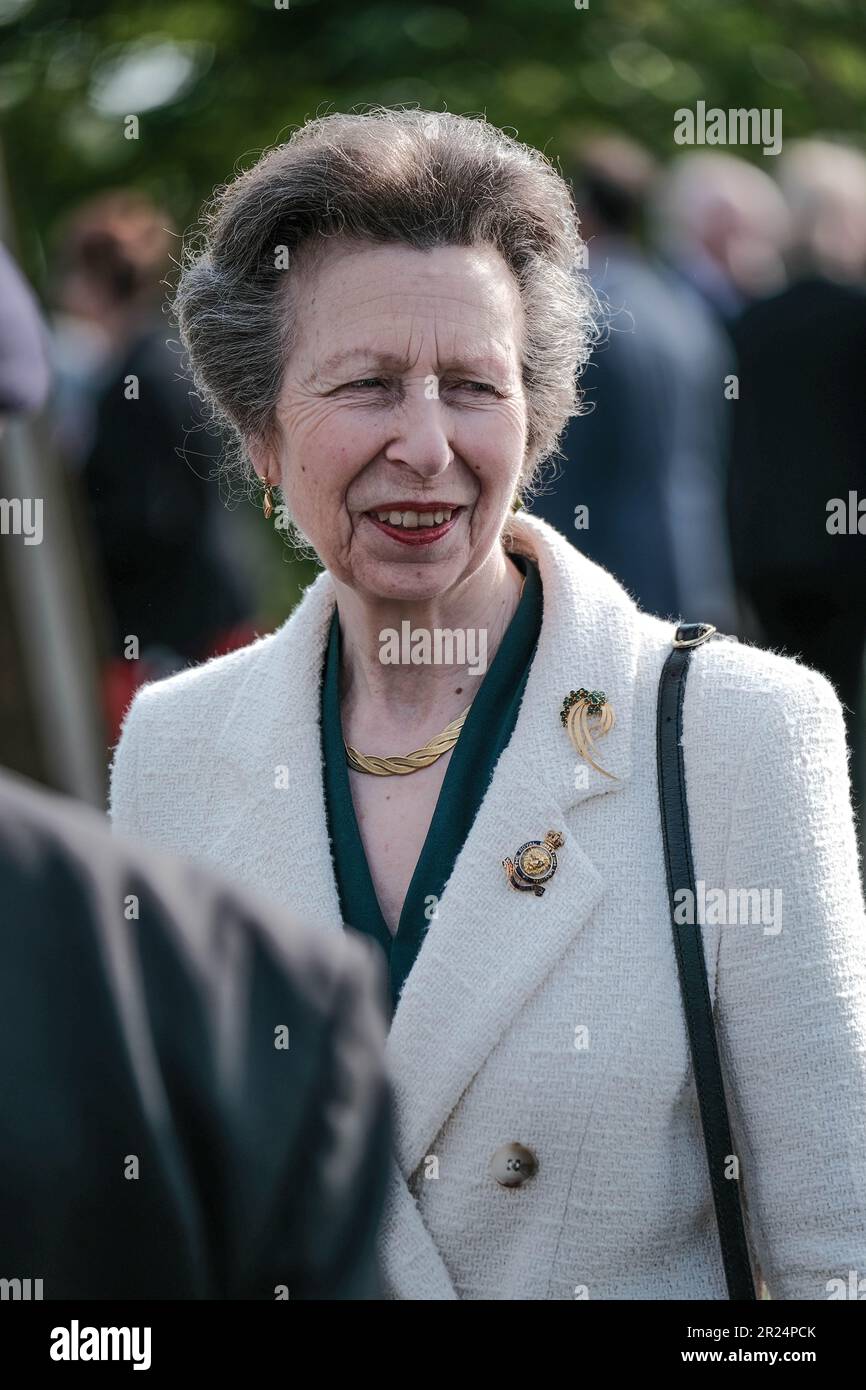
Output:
x=579 y=708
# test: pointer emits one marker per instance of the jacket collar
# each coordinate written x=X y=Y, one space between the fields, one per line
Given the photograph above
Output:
x=490 y=946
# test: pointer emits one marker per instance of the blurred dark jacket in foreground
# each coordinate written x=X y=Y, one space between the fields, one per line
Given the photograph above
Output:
x=155 y=1140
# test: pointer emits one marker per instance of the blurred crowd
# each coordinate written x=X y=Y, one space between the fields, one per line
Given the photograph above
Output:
x=724 y=411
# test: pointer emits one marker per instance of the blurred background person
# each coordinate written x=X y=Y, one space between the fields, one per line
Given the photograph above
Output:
x=800 y=431
x=648 y=458
x=147 y=462
x=722 y=225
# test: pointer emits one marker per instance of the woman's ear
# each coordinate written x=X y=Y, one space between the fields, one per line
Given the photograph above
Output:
x=262 y=458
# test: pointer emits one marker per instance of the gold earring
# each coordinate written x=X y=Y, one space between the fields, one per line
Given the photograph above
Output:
x=267 y=501
x=516 y=502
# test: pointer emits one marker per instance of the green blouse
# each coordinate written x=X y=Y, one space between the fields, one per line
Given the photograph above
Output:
x=486 y=733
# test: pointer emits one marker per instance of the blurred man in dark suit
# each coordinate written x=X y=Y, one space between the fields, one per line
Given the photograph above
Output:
x=192 y=1097
x=648 y=459
x=800 y=434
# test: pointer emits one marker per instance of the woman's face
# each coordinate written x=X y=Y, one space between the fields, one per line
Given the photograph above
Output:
x=401 y=422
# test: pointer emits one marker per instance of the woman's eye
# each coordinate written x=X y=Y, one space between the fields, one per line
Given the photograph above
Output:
x=366 y=381
x=478 y=387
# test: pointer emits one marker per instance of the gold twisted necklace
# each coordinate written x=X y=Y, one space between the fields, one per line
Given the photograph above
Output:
x=422 y=757
x=410 y=762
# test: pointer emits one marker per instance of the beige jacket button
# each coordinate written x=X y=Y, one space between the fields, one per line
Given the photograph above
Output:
x=513 y=1165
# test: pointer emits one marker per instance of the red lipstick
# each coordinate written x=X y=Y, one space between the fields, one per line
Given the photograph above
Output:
x=419 y=535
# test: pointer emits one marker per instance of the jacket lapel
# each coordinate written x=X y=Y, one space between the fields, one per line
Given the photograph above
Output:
x=271 y=752
x=490 y=946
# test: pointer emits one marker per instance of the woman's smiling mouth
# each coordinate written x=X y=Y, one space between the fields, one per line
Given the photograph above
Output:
x=412 y=525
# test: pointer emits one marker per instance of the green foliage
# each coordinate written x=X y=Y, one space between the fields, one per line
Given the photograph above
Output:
x=252 y=71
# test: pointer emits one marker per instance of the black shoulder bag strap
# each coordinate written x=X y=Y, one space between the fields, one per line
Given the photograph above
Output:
x=691 y=963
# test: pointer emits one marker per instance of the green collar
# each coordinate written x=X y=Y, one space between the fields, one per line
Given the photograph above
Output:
x=484 y=736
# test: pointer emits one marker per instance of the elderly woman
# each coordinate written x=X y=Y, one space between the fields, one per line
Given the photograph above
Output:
x=387 y=312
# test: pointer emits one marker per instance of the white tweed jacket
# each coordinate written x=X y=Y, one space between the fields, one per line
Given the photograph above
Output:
x=556 y=1022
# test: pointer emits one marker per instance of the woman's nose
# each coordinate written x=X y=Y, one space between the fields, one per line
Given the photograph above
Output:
x=420 y=436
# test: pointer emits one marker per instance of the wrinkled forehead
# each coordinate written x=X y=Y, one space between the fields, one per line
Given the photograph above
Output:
x=357 y=299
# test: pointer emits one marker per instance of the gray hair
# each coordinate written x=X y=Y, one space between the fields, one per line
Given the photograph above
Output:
x=387 y=175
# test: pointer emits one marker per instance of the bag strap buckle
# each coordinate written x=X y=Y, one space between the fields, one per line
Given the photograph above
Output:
x=693 y=634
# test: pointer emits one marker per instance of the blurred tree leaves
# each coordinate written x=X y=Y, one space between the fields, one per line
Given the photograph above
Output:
x=216 y=81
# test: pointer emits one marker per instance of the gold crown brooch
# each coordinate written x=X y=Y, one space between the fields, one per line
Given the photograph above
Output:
x=534 y=864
